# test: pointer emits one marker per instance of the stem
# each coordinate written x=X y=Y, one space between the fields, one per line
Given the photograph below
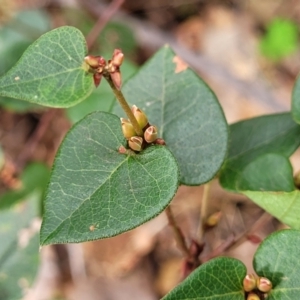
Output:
x=120 y=97
x=181 y=244
x=203 y=212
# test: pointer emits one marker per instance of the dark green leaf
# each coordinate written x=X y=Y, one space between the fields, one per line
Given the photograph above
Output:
x=259 y=175
x=250 y=142
x=19 y=249
x=102 y=98
x=220 y=278
x=96 y=192
x=51 y=71
x=277 y=259
x=186 y=112
x=284 y=206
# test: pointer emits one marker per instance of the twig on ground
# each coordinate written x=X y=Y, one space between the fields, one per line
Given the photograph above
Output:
x=180 y=240
x=103 y=18
x=35 y=138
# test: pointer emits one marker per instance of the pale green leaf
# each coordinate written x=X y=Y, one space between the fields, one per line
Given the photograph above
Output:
x=219 y=279
x=277 y=259
x=186 y=112
x=96 y=192
x=296 y=100
x=19 y=251
x=51 y=71
x=282 y=205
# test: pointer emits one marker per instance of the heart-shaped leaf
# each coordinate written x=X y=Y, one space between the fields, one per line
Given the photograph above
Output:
x=220 y=278
x=296 y=100
x=97 y=192
x=277 y=259
x=19 y=256
x=186 y=112
x=51 y=71
x=251 y=143
x=284 y=206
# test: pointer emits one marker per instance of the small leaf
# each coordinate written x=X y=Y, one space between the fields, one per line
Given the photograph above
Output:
x=250 y=142
x=296 y=100
x=277 y=259
x=283 y=206
x=185 y=111
x=220 y=278
x=96 y=192
x=51 y=72
x=19 y=256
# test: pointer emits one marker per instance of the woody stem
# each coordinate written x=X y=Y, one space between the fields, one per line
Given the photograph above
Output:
x=120 y=97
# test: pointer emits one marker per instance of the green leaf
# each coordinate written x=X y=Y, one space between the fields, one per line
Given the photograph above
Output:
x=186 y=112
x=19 y=255
x=284 y=206
x=251 y=143
x=277 y=259
x=280 y=40
x=296 y=100
x=51 y=71
x=96 y=192
x=15 y=37
x=35 y=177
x=258 y=175
x=220 y=278
x=102 y=98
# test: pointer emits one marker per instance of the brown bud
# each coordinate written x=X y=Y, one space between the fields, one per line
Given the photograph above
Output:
x=97 y=79
x=117 y=79
x=253 y=296
x=140 y=116
x=264 y=284
x=150 y=134
x=249 y=282
x=136 y=143
x=95 y=61
x=117 y=57
x=127 y=128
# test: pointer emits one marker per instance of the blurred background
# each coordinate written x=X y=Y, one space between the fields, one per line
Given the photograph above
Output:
x=248 y=53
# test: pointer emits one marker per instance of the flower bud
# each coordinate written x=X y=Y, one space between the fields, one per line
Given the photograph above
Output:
x=116 y=78
x=136 y=143
x=249 y=282
x=97 y=79
x=213 y=220
x=253 y=296
x=140 y=116
x=95 y=61
x=264 y=284
x=150 y=134
x=127 y=128
x=117 y=57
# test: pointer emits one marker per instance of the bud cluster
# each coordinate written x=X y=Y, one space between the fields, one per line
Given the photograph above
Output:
x=255 y=286
x=99 y=67
x=135 y=142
